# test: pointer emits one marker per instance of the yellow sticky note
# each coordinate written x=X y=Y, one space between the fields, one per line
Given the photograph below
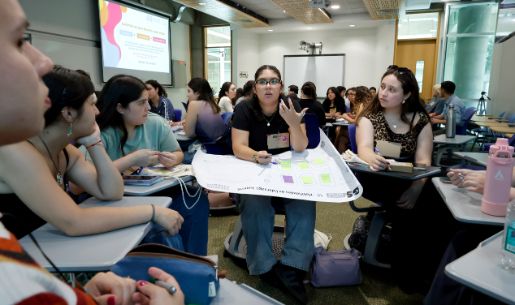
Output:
x=319 y=161
x=325 y=178
x=307 y=179
x=303 y=165
x=285 y=164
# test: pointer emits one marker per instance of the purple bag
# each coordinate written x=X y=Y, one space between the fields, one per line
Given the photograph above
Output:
x=335 y=268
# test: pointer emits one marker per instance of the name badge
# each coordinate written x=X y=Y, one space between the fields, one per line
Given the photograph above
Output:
x=278 y=140
x=389 y=149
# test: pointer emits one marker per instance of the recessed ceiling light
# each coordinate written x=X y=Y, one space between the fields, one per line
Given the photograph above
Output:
x=352 y=25
x=201 y=3
x=270 y=30
x=309 y=28
x=335 y=6
x=284 y=11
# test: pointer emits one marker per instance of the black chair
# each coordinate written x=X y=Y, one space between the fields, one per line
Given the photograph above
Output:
x=376 y=215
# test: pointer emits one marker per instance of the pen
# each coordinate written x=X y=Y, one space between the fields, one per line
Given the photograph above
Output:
x=169 y=287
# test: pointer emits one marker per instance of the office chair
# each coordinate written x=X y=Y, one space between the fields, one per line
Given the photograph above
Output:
x=467 y=115
x=377 y=216
x=223 y=145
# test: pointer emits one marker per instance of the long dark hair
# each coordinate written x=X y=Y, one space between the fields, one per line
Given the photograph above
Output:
x=67 y=88
x=160 y=90
x=338 y=102
x=204 y=91
x=119 y=89
x=409 y=85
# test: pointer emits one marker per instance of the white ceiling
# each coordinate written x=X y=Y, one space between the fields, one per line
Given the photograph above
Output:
x=351 y=12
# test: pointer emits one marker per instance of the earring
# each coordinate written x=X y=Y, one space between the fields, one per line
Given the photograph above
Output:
x=69 y=130
x=403 y=101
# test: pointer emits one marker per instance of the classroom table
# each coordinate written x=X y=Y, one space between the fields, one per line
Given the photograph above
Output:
x=480 y=269
x=96 y=252
x=444 y=144
x=503 y=129
x=418 y=173
x=491 y=123
x=140 y=190
x=465 y=205
x=480 y=158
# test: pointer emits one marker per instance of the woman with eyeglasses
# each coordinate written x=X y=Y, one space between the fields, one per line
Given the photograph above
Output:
x=269 y=124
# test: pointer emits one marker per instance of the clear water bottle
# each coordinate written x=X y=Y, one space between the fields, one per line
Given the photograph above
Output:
x=508 y=241
x=450 y=125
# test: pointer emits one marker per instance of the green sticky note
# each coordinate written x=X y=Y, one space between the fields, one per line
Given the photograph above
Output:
x=319 y=161
x=303 y=165
x=307 y=179
x=285 y=164
x=325 y=178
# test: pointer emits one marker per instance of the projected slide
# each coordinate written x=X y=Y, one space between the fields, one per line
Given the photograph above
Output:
x=133 y=39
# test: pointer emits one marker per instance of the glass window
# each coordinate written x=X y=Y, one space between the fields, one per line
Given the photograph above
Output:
x=416 y=26
x=506 y=22
x=218 y=56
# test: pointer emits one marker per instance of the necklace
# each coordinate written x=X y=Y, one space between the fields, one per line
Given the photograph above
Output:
x=59 y=175
x=271 y=118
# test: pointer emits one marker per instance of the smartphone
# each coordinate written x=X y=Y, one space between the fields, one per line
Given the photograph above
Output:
x=141 y=180
x=446 y=180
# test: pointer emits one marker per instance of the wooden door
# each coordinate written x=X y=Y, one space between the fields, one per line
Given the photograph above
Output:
x=422 y=51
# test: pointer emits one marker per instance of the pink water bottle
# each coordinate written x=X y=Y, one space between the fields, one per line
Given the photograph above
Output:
x=496 y=194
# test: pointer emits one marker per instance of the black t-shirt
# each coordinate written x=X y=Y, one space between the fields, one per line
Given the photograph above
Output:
x=249 y=117
x=316 y=108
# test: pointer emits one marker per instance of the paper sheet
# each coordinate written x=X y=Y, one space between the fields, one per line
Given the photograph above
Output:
x=317 y=174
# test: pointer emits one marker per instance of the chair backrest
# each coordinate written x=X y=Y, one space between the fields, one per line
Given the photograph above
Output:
x=312 y=129
x=511 y=141
x=511 y=118
x=352 y=138
x=222 y=146
x=467 y=115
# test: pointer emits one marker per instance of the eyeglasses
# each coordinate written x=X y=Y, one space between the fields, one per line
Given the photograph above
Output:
x=273 y=82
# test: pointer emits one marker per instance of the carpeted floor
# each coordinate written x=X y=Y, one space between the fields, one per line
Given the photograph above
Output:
x=335 y=219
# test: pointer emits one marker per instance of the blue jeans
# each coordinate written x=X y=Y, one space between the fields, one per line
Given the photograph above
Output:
x=257 y=219
x=192 y=236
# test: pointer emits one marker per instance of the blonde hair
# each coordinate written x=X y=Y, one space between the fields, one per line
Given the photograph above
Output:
x=436 y=89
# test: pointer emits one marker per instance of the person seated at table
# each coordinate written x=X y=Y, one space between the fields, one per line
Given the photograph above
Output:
x=334 y=105
x=447 y=89
x=135 y=137
x=248 y=92
x=444 y=290
x=23 y=280
x=203 y=119
x=436 y=104
x=396 y=118
x=226 y=97
x=159 y=102
x=267 y=114
x=308 y=99
x=34 y=174
x=360 y=97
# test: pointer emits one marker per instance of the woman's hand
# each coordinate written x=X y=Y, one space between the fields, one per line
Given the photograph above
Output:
x=155 y=295
x=471 y=180
x=93 y=138
x=378 y=163
x=289 y=114
x=144 y=157
x=169 y=219
x=168 y=159
x=108 y=288
x=263 y=157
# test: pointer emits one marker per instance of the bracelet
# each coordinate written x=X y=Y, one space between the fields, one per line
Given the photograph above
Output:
x=152 y=218
x=96 y=143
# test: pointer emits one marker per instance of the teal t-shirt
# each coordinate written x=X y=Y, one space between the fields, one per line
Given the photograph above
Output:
x=155 y=134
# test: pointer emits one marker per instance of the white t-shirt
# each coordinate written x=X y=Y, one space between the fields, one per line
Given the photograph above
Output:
x=225 y=104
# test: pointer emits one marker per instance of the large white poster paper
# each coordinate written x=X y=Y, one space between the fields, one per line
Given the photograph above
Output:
x=317 y=174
